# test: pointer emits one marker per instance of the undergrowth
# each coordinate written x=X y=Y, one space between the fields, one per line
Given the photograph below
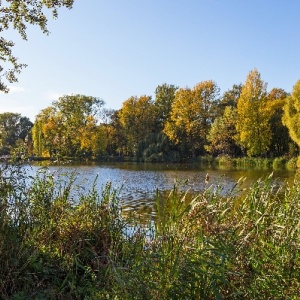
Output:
x=58 y=241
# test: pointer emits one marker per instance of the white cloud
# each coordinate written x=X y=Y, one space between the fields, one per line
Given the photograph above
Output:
x=16 y=89
x=26 y=111
x=53 y=96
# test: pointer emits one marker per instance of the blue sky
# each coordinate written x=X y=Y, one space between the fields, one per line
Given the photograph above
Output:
x=115 y=49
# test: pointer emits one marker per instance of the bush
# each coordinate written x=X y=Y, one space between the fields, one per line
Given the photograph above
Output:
x=291 y=164
x=206 y=161
x=225 y=161
x=50 y=245
x=279 y=163
x=252 y=162
x=237 y=247
x=57 y=242
x=298 y=162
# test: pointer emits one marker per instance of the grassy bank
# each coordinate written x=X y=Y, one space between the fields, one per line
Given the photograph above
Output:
x=213 y=247
x=289 y=163
x=250 y=162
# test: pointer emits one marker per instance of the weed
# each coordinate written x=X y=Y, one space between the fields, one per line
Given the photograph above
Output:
x=59 y=242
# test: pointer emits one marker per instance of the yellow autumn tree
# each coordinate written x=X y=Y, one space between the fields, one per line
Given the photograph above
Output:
x=253 y=115
x=193 y=111
x=46 y=132
x=63 y=128
x=137 y=118
x=291 y=116
x=92 y=138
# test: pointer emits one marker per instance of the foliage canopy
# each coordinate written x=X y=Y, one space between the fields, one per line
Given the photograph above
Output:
x=18 y=14
x=14 y=129
x=291 y=117
x=253 y=127
x=193 y=111
x=70 y=127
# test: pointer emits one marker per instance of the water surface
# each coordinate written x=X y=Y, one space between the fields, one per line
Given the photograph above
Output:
x=138 y=183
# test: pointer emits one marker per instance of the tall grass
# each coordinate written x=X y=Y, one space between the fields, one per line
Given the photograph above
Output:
x=292 y=163
x=58 y=241
x=52 y=247
x=253 y=162
x=233 y=247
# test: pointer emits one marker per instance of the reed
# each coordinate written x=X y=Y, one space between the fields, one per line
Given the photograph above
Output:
x=58 y=241
x=215 y=247
x=291 y=164
x=50 y=245
x=279 y=163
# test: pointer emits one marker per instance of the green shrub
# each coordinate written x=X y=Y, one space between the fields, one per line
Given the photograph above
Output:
x=279 y=163
x=291 y=164
x=206 y=161
x=252 y=162
x=57 y=242
x=50 y=245
x=298 y=162
x=225 y=160
x=237 y=247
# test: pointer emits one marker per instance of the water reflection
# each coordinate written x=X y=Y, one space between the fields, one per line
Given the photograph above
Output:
x=139 y=183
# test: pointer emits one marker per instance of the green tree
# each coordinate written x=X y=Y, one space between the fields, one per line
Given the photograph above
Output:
x=74 y=113
x=116 y=140
x=14 y=129
x=193 y=112
x=291 y=116
x=164 y=97
x=253 y=126
x=156 y=146
x=65 y=126
x=18 y=14
x=37 y=138
x=93 y=138
x=47 y=132
x=221 y=136
x=280 y=139
x=230 y=98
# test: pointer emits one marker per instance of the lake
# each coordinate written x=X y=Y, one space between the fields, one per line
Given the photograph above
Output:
x=138 y=183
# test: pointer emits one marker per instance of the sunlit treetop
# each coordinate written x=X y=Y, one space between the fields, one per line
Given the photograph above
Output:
x=291 y=116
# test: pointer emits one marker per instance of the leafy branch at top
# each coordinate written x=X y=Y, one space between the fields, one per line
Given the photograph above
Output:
x=17 y=14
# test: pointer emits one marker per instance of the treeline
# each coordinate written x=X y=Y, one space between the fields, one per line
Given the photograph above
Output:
x=179 y=124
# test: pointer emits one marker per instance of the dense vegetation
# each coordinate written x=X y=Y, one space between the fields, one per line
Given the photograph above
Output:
x=58 y=241
x=180 y=124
